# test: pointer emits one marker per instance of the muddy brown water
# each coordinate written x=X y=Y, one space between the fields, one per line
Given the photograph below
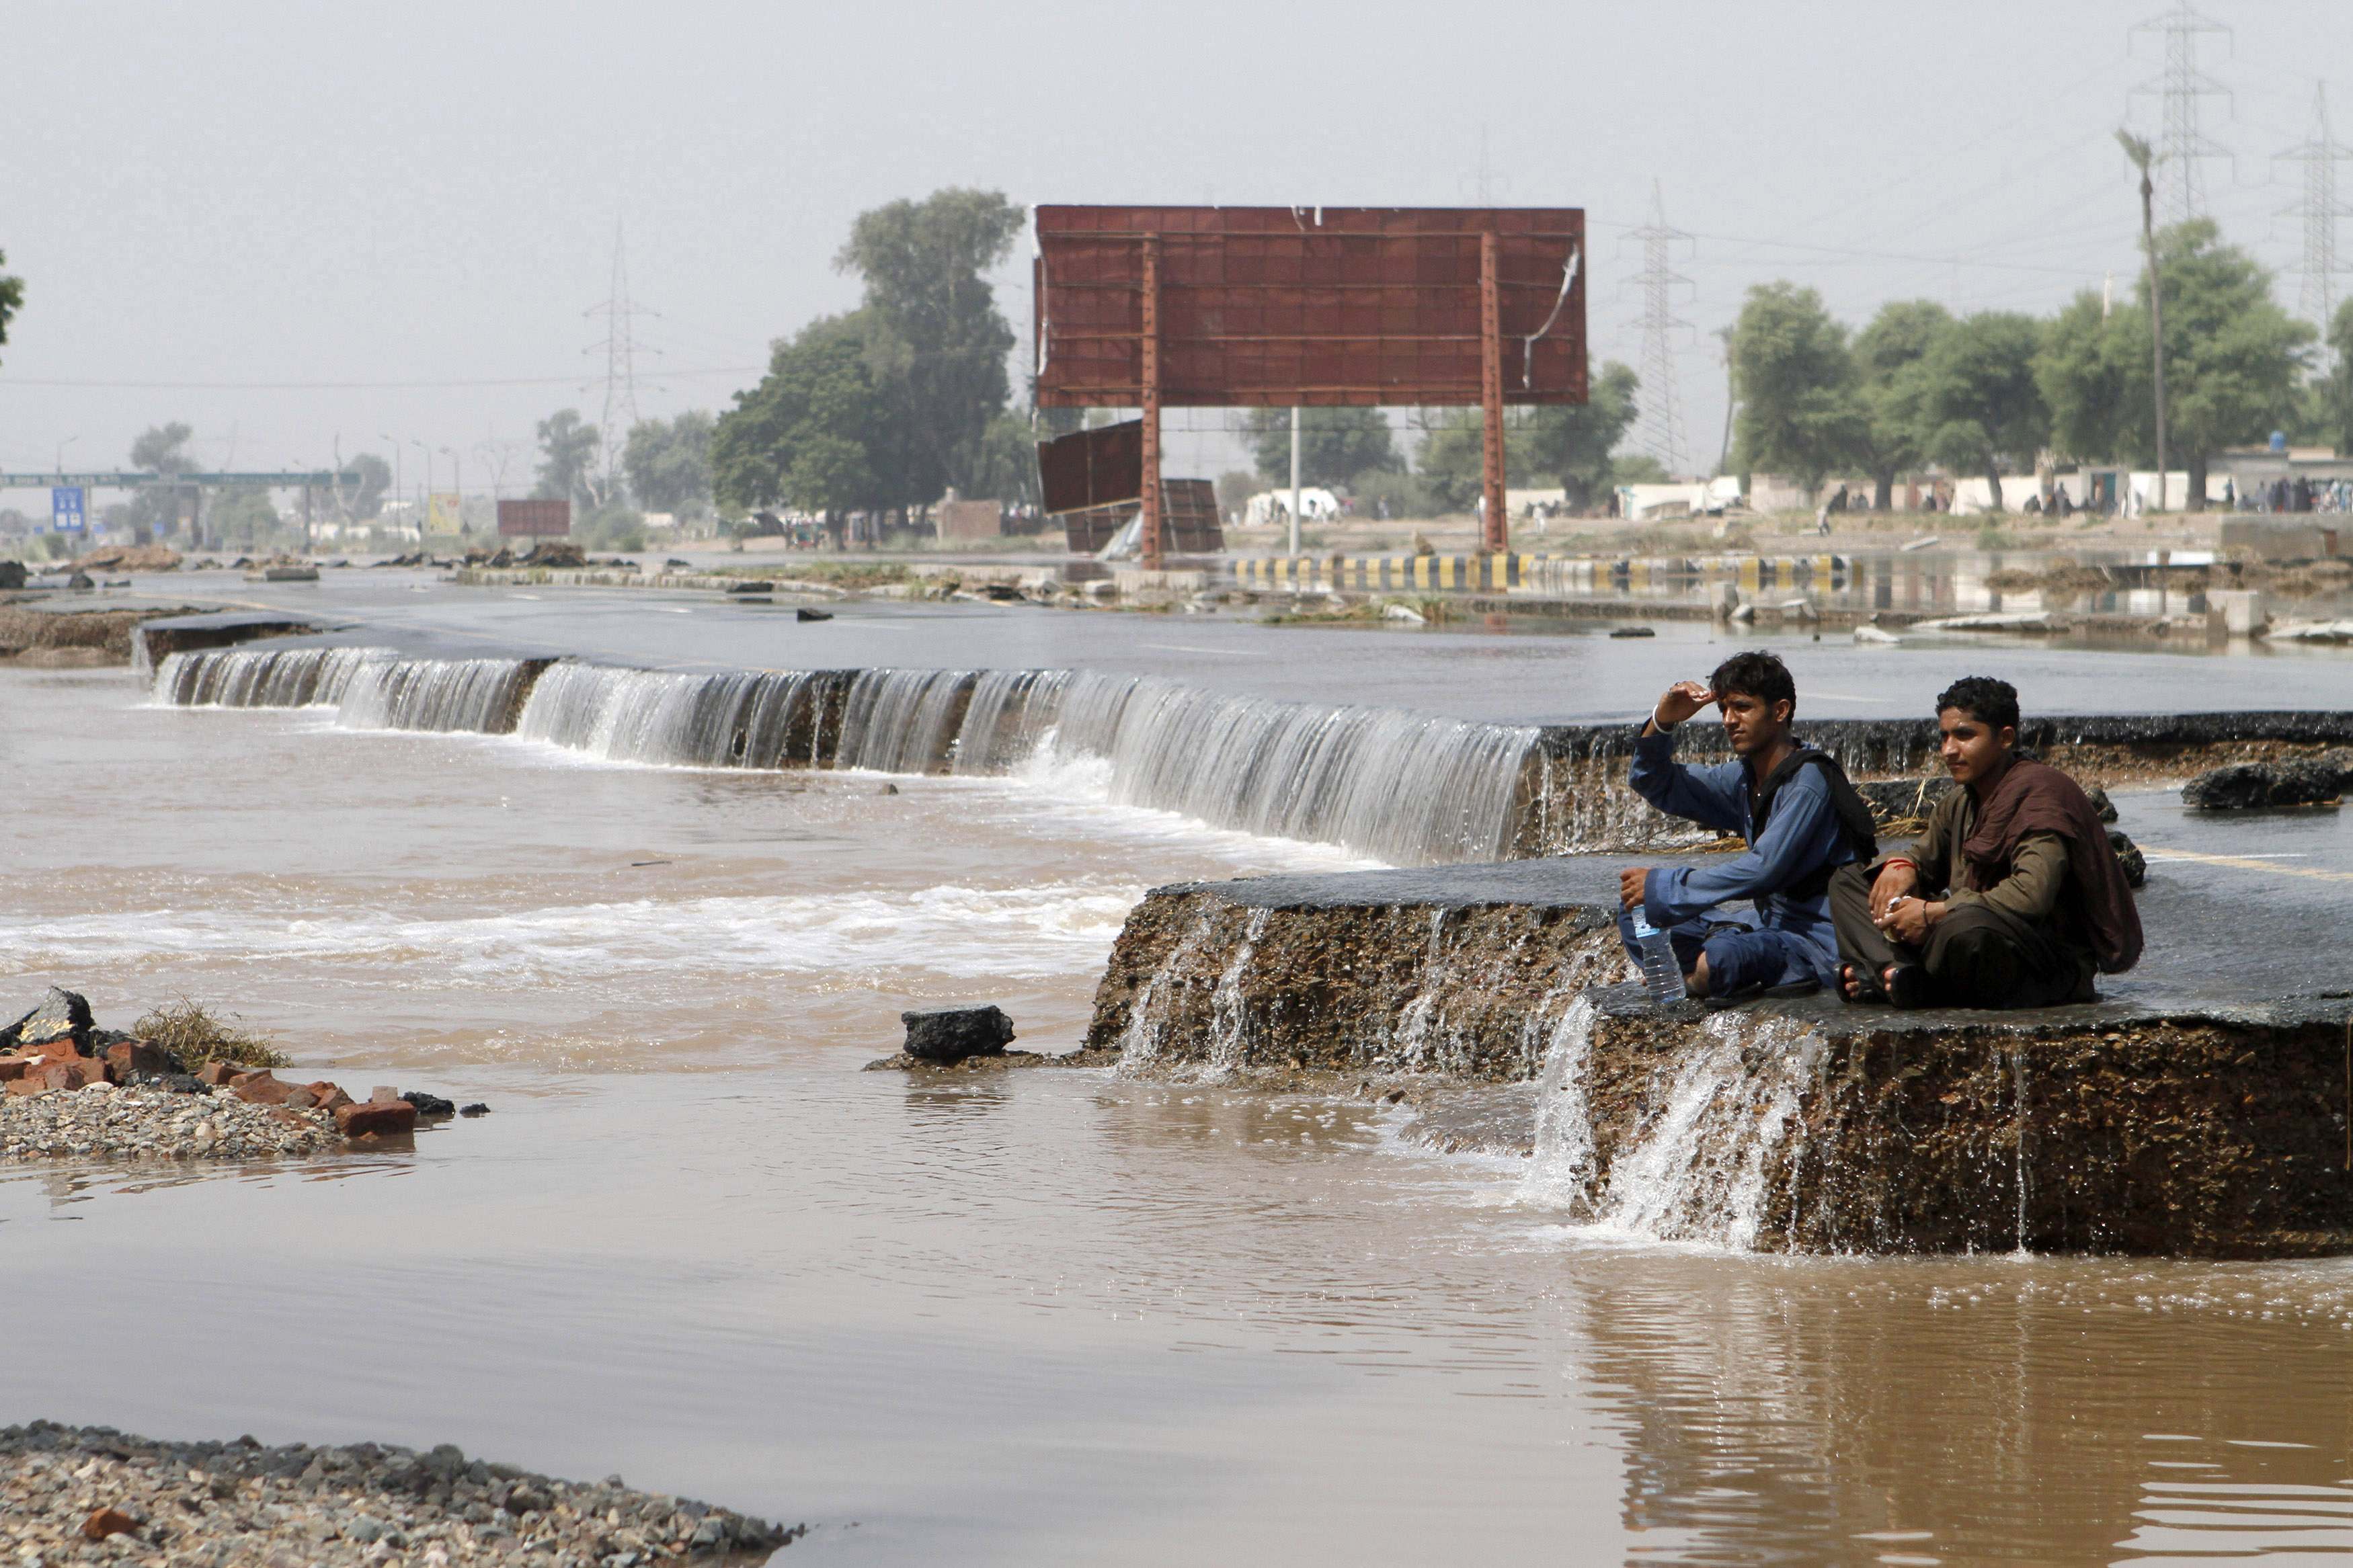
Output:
x=1038 y=1318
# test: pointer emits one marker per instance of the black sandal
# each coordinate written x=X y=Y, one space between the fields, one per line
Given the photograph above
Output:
x=1866 y=989
x=1907 y=985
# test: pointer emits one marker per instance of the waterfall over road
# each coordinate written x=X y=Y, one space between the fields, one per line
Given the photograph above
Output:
x=369 y=687
x=1408 y=788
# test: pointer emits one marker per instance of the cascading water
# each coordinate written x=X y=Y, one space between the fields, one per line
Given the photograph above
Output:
x=1011 y=712
x=263 y=678
x=1147 y=1031
x=1408 y=788
x=742 y=719
x=1706 y=1164
x=904 y=721
x=1561 y=1172
x=453 y=695
x=369 y=688
x=1229 y=1003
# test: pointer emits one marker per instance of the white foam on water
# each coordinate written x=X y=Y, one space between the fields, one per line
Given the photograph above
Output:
x=1054 y=929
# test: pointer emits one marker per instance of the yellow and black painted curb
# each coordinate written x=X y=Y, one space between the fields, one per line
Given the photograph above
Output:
x=1528 y=574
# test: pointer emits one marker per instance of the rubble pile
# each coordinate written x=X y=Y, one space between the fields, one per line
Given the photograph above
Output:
x=93 y=1494
x=69 y=1089
x=130 y=558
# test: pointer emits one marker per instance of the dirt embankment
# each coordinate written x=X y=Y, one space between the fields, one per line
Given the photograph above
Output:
x=1199 y=983
x=1815 y=1126
x=68 y=639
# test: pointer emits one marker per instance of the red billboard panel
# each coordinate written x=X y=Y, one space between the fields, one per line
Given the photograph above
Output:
x=535 y=519
x=1315 y=306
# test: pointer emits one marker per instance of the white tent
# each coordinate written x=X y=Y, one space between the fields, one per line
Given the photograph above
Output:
x=1270 y=507
x=1697 y=498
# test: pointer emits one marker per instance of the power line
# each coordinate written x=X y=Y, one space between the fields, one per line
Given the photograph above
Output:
x=1852 y=253
x=2181 y=188
x=2319 y=209
x=1659 y=429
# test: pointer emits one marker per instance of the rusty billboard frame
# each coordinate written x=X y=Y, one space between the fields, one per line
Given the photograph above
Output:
x=1153 y=307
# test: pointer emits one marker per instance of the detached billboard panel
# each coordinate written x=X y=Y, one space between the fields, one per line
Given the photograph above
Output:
x=1102 y=467
x=535 y=519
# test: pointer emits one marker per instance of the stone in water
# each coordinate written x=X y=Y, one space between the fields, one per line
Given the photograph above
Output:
x=950 y=1034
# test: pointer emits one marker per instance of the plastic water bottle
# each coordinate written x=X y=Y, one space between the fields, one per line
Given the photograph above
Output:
x=1663 y=976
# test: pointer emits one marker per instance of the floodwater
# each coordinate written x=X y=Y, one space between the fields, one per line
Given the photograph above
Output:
x=1504 y=669
x=1044 y=1316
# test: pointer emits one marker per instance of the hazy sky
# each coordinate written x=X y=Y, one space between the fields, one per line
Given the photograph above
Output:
x=292 y=226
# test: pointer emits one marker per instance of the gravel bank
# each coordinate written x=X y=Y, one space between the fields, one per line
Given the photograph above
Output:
x=157 y=1124
x=227 y=1504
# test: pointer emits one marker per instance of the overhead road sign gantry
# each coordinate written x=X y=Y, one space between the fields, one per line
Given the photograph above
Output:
x=128 y=479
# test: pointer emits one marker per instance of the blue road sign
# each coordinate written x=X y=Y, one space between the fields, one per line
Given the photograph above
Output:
x=66 y=513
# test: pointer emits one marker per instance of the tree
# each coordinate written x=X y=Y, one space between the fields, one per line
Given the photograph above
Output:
x=1336 y=445
x=2089 y=369
x=243 y=519
x=1575 y=440
x=568 y=445
x=2143 y=156
x=935 y=338
x=1800 y=413
x=2233 y=359
x=2332 y=412
x=164 y=449
x=1452 y=462
x=367 y=499
x=160 y=450
x=1235 y=488
x=1006 y=468
x=1884 y=353
x=804 y=436
x=669 y=462
x=1979 y=403
x=12 y=298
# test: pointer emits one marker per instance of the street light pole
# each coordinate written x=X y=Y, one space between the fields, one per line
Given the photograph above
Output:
x=425 y=497
x=61 y=454
x=458 y=483
x=1294 y=483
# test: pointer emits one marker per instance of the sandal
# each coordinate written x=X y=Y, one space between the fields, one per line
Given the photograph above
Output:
x=1907 y=985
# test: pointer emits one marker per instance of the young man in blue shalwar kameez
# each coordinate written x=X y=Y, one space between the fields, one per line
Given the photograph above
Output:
x=1801 y=818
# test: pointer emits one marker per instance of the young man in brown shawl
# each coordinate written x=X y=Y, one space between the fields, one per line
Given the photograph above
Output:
x=2011 y=897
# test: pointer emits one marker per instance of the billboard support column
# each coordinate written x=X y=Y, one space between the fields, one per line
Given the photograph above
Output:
x=1494 y=532
x=1149 y=515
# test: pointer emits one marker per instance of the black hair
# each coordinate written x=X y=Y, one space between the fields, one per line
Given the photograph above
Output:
x=1759 y=674
x=1990 y=702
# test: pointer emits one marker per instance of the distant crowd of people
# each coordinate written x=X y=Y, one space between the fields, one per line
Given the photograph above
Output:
x=2297 y=494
